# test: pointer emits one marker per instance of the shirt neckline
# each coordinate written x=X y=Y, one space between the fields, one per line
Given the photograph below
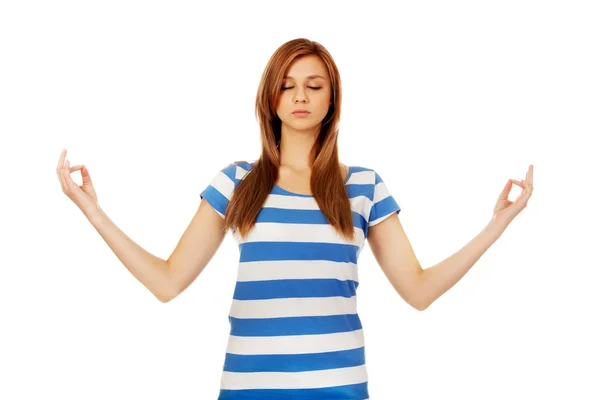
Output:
x=350 y=171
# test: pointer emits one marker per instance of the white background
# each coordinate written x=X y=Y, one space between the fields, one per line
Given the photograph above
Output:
x=446 y=100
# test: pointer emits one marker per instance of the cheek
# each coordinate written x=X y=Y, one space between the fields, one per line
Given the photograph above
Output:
x=280 y=103
x=283 y=101
x=324 y=103
x=326 y=97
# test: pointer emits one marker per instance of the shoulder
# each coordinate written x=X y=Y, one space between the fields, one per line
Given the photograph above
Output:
x=237 y=170
x=363 y=175
x=362 y=181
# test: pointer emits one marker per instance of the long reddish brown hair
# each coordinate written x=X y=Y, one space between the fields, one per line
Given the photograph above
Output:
x=326 y=183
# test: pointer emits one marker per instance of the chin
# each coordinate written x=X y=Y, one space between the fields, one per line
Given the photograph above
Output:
x=303 y=127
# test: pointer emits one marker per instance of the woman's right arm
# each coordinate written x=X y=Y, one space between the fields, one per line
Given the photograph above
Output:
x=165 y=278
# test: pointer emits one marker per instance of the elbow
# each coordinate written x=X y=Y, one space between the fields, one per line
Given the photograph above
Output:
x=415 y=300
x=166 y=295
x=163 y=298
x=169 y=294
x=420 y=302
x=168 y=290
x=420 y=305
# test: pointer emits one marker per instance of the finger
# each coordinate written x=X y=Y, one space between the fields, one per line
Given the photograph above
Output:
x=528 y=186
x=525 y=194
x=60 y=173
x=67 y=176
x=61 y=160
x=530 y=180
x=85 y=175
x=528 y=175
x=63 y=172
x=75 y=168
x=525 y=185
x=516 y=182
x=506 y=190
x=529 y=189
x=61 y=179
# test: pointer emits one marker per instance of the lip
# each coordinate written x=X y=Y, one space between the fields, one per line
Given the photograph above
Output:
x=301 y=112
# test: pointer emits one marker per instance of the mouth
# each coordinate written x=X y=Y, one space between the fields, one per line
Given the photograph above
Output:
x=300 y=113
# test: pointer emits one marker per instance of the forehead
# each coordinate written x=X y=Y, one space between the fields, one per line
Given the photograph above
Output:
x=306 y=67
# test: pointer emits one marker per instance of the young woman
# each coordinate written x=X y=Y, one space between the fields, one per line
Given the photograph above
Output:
x=301 y=219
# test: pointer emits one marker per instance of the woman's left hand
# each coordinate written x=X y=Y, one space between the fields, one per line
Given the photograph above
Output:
x=505 y=211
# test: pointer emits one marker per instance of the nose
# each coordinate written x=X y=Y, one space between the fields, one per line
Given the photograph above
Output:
x=299 y=96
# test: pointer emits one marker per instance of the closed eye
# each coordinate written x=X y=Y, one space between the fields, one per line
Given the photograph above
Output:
x=310 y=87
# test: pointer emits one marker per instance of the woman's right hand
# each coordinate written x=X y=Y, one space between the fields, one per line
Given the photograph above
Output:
x=83 y=196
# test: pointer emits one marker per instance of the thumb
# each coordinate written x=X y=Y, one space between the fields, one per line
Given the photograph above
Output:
x=85 y=175
x=505 y=191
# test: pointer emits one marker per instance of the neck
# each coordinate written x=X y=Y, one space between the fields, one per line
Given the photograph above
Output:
x=295 y=148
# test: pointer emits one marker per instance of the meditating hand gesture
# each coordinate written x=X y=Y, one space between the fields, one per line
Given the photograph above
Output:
x=505 y=211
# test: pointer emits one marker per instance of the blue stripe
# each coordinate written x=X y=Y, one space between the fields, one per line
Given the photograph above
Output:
x=282 y=192
x=361 y=169
x=290 y=288
x=384 y=207
x=230 y=171
x=215 y=199
x=357 y=391
x=271 y=251
x=295 y=216
x=246 y=165
x=294 y=362
x=360 y=189
x=284 y=326
x=291 y=216
x=350 y=172
x=360 y=222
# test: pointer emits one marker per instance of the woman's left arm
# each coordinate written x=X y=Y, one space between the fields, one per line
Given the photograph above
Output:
x=421 y=287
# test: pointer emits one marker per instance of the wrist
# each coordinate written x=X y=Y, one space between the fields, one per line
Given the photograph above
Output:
x=92 y=212
x=496 y=226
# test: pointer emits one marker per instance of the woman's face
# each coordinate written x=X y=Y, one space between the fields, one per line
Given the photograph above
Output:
x=306 y=86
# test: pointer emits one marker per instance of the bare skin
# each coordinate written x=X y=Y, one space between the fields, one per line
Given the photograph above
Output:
x=388 y=241
x=164 y=278
x=307 y=86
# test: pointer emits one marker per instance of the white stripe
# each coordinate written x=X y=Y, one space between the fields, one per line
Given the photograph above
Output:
x=293 y=307
x=362 y=205
x=359 y=204
x=362 y=178
x=294 y=380
x=240 y=172
x=290 y=202
x=315 y=233
x=380 y=219
x=296 y=269
x=296 y=344
x=223 y=184
x=381 y=192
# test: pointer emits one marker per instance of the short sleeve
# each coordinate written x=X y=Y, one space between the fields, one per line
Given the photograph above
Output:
x=221 y=187
x=384 y=203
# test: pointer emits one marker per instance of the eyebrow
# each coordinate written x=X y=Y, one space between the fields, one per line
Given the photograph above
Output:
x=308 y=77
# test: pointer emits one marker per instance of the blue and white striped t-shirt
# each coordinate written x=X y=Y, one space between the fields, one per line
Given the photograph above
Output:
x=295 y=331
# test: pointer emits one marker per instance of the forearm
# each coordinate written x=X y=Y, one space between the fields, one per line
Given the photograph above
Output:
x=150 y=270
x=438 y=279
